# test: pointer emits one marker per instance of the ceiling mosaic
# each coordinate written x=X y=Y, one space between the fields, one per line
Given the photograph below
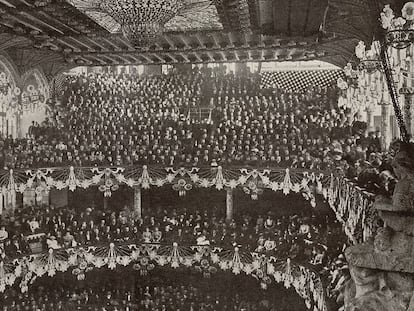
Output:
x=195 y=15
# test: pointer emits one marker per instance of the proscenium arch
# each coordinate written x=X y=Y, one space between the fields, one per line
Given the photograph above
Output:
x=10 y=68
x=36 y=78
x=9 y=99
x=38 y=75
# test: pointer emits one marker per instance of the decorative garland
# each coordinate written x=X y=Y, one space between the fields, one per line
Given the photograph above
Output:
x=144 y=257
x=353 y=207
x=352 y=204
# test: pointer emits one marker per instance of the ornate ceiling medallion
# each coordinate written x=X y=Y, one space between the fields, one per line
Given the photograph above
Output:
x=142 y=22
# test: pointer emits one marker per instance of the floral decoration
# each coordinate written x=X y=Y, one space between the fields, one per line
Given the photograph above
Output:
x=350 y=203
x=144 y=258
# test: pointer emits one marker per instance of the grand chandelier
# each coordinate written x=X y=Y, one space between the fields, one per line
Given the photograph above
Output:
x=399 y=30
x=351 y=78
x=142 y=21
x=369 y=59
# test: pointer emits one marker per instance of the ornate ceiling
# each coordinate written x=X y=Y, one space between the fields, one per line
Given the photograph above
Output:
x=196 y=15
x=59 y=34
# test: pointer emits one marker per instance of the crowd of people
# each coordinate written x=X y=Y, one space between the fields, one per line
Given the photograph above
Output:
x=308 y=238
x=120 y=120
x=164 y=291
x=108 y=119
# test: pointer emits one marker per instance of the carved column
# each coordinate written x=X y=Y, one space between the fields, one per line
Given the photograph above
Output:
x=137 y=202
x=370 y=119
x=408 y=110
x=105 y=203
x=8 y=204
x=229 y=204
x=385 y=125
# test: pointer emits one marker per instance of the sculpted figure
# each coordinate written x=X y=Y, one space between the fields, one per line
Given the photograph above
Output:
x=374 y=290
x=398 y=212
x=365 y=280
x=403 y=165
x=382 y=269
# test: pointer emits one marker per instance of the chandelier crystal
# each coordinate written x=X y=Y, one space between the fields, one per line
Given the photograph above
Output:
x=142 y=21
x=399 y=30
x=369 y=60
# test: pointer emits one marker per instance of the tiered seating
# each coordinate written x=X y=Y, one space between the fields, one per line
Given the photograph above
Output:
x=164 y=291
x=306 y=238
x=121 y=120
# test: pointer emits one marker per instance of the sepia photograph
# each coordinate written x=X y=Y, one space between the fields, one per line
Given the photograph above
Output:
x=206 y=155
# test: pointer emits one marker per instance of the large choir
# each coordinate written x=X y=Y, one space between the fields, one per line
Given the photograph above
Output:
x=201 y=118
x=107 y=119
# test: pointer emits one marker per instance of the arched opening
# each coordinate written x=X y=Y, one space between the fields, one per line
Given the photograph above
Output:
x=34 y=96
x=9 y=98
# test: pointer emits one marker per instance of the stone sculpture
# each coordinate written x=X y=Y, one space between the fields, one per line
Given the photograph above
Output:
x=382 y=269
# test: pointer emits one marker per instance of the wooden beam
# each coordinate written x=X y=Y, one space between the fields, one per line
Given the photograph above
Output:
x=37 y=20
x=229 y=36
x=200 y=42
x=210 y=56
x=172 y=57
x=126 y=43
x=149 y=60
x=159 y=57
x=216 y=45
x=71 y=46
x=187 y=46
x=170 y=42
x=116 y=48
x=197 y=56
x=94 y=42
x=185 y=57
x=80 y=42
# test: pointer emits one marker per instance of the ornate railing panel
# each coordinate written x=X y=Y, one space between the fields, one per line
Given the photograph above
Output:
x=351 y=203
x=144 y=257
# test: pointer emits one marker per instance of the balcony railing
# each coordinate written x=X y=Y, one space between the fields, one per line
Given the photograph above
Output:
x=351 y=204
x=144 y=257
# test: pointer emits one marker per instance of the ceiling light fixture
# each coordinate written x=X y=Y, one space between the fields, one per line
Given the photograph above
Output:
x=142 y=21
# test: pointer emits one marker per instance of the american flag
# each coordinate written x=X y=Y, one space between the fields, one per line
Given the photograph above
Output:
x=299 y=80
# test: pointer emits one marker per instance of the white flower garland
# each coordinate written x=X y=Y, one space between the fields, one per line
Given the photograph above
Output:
x=351 y=203
x=144 y=257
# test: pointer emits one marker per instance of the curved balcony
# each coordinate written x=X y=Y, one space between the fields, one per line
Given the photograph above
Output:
x=351 y=204
x=144 y=257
